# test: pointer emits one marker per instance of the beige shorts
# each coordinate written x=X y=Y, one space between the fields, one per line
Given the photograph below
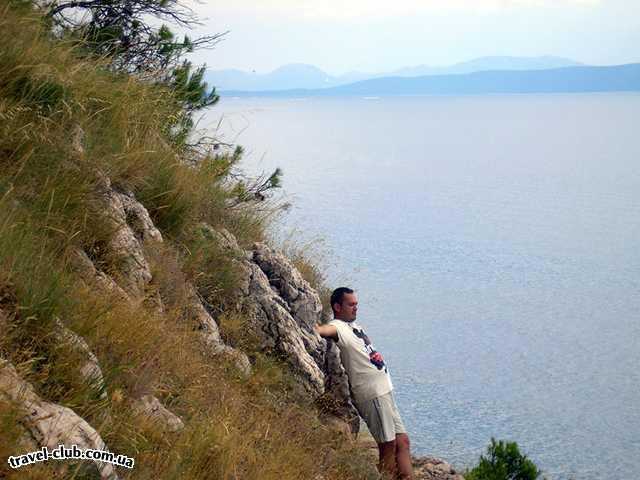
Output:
x=382 y=417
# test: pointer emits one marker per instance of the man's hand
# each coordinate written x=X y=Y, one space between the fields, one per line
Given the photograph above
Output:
x=326 y=331
x=377 y=357
x=377 y=360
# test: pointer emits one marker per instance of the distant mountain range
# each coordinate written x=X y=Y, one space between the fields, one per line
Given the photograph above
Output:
x=555 y=80
x=295 y=76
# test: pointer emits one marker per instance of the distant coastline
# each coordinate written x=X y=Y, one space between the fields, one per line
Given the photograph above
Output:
x=302 y=75
x=578 y=79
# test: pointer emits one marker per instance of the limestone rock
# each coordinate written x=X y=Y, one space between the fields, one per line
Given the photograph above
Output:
x=304 y=305
x=50 y=424
x=239 y=358
x=77 y=141
x=89 y=367
x=139 y=220
x=124 y=247
x=151 y=407
x=283 y=308
x=131 y=228
x=431 y=468
x=206 y=324
x=270 y=314
x=303 y=301
x=223 y=238
x=272 y=321
x=210 y=333
x=92 y=276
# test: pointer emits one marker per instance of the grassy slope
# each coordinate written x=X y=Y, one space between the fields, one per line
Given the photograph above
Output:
x=235 y=427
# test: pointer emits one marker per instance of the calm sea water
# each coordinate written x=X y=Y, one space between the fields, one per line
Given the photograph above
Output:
x=493 y=242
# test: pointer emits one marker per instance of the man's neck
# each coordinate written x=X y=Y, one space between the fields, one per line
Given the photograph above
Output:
x=343 y=320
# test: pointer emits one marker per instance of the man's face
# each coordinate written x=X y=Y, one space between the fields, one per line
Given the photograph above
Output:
x=348 y=309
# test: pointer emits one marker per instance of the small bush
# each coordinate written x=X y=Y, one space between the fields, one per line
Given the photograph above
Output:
x=503 y=462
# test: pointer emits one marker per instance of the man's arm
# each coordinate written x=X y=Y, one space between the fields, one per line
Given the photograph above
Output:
x=327 y=331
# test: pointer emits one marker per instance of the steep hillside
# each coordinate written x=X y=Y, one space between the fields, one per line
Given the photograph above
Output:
x=137 y=311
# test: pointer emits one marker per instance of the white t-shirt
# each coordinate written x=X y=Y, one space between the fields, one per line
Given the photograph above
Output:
x=368 y=375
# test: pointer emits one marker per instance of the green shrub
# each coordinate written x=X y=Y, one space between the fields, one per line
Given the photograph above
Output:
x=503 y=462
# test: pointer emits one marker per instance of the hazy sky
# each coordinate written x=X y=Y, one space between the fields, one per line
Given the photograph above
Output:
x=380 y=35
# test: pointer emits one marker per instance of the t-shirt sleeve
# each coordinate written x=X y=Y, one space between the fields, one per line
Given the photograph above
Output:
x=339 y=331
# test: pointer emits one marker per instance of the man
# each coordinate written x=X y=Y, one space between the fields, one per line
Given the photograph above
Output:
x=371 y=388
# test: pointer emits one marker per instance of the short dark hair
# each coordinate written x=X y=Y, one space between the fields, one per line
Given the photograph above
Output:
x=337 y=295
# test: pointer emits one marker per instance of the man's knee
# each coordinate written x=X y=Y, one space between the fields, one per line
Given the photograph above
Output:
x=402 y=441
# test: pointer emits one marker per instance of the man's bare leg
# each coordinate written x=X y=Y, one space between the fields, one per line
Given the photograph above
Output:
x=387 y=465
x=403 y=457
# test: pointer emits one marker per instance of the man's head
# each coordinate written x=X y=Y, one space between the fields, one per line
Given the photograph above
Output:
x=344 y=304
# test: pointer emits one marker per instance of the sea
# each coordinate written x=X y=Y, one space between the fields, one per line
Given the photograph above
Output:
x=494 y=245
